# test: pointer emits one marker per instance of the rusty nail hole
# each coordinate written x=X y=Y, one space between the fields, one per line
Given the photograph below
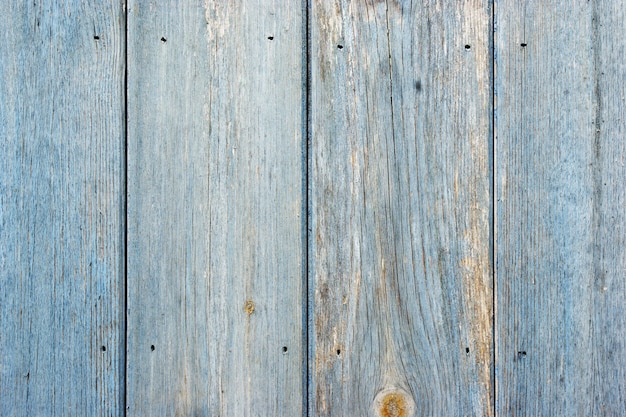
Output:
x=248 y=307
x=152 y=348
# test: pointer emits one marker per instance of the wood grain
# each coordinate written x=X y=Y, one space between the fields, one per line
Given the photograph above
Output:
x=215 y=254
x=561 y=223
x=401 y=204
x=61 y=208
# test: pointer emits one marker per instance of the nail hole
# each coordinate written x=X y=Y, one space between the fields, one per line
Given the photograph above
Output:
x=152 y=348
x=466 y=350
x=271 y=38
x=521 y=354
x=338 y=352
x=523 y=45
x=103 y=348
x=96 y=37
x=467 y=47
x=284 y=349
x=418 y=85
x=163 y=40
x=339 y=46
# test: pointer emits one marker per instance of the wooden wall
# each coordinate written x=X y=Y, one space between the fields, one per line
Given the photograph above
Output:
x=62 y=219
x=324 y=208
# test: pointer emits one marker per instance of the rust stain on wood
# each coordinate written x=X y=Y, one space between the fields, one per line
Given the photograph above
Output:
x=394 y=403
x=249 y=307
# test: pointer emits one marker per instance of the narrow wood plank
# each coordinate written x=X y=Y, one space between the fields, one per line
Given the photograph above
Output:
x=561 y=222
x=401 y=172
x=215 y=199
x=61 y=202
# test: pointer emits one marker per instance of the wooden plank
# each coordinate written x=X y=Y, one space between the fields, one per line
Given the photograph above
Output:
x=400 y=199
x=215 y=265
x=61 y=208
x=561 y=223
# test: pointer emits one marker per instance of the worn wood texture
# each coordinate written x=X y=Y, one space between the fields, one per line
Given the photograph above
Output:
x=561 y=222
x=61 y=208
x=215 y=253
x=401 y=200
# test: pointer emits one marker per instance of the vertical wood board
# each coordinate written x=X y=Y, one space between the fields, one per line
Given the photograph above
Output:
x=400 y=267
x=215 y=208
x=560 y=217
x=61 y=208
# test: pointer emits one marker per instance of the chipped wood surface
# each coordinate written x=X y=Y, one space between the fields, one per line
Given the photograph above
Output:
x=560 y=216
x=401 y=278
x=61 y=208
x=214 y=208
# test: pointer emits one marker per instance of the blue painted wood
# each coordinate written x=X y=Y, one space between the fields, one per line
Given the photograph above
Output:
x=560 y=217
x=401 y=280
x=61 y=208
x=401 y=204
x=215 y=255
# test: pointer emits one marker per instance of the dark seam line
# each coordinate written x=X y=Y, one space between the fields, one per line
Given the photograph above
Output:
x=125 y=202
x=493 y=203
x=306 y=143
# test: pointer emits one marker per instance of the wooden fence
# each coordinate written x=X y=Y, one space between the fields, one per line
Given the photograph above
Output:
x=318 y=207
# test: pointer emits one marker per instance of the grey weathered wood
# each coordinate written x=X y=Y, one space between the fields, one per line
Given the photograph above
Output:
x=215 y=262
x=61 y=202
x=401 y=202
x=561 y=221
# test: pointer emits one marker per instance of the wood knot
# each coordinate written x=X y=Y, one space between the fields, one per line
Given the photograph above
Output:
x=248 y=307
x=393 y=403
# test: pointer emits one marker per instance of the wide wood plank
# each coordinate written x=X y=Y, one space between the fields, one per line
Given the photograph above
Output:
x=561 y=222
x=215 y=254
x=61 y=208
x=401 y=272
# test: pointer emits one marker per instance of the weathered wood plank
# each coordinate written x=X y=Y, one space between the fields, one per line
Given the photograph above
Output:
x=215 y=198
x=401 y=201
x=61 y=208
x=561 y=222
